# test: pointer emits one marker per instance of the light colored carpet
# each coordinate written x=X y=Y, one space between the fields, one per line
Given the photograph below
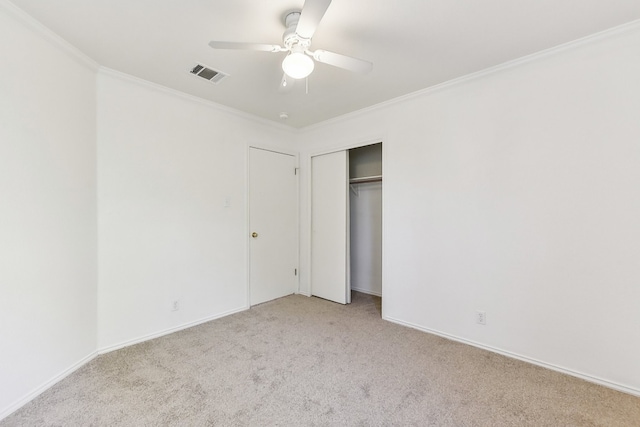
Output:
x=301 y=361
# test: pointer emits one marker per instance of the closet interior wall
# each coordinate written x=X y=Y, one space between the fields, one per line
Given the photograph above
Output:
x=365 y=199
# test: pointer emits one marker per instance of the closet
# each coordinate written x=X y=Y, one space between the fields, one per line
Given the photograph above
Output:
x=365 y=217
x=346 y=223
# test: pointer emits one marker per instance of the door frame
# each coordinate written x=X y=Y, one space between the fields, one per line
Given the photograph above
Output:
x=247 y=227
x=342 y=146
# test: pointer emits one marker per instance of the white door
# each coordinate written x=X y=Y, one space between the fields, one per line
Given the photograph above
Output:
x=273 y=225
x=330 y=227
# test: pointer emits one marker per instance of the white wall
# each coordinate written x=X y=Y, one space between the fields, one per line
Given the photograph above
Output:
x=513 y=193
x=166 y=165
x=48 y=210
x=516 y=193
x=365 y=211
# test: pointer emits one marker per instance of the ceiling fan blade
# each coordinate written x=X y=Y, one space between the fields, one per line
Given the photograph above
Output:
x=286 y=84
x=343 y=61
x=312 y=13
x=246 y=46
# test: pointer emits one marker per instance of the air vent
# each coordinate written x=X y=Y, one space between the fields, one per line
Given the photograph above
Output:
x=207 y=73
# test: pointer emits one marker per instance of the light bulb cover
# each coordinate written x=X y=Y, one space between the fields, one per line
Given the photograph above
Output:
x=297 y=65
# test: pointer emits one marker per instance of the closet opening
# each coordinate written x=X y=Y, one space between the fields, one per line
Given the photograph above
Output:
x=346 y=225
x=365 y=222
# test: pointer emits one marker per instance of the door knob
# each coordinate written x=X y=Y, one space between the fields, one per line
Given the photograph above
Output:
x=254 y=234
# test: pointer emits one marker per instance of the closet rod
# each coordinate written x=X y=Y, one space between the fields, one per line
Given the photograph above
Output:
x=375 y=178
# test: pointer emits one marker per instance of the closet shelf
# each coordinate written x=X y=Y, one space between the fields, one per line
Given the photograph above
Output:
x=375 y=178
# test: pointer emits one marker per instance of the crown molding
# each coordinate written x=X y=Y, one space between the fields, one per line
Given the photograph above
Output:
x=192 y=98
x=74 y=53
x=57 y=41
x=574 y=44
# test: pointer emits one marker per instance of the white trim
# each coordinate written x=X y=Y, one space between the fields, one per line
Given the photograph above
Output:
x=275 y=149
x=82 y=58
x=298 y=222
x=164 y=332
x=247 y=223
x=385 y=177
x=590 y=378
x=367 y=291
x=46 y=385
x=223 y=108
x=57 y=41
x=348 y=145
x=574 y=44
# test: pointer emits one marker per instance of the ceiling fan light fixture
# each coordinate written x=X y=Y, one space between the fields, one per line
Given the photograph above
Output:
x=297 y=65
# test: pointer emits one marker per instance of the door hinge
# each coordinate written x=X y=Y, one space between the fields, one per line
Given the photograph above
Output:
x=295 y=171
x=295 y=271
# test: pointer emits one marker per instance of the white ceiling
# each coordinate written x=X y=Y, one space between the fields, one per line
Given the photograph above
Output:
x=413 y=44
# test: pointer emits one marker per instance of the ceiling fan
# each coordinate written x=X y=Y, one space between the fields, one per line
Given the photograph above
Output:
x=300 y=27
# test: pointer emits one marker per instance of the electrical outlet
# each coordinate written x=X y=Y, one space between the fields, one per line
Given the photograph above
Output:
x=481 y=317
x=175 y=306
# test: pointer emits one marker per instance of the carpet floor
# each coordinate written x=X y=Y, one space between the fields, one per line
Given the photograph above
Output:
x=300 y=361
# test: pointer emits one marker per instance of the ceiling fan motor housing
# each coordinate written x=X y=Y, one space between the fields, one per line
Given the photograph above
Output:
x=290 y=38
x=300 y=26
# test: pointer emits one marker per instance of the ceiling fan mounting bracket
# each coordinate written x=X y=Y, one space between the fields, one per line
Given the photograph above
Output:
x=291 y=18
x=300 y=26
x=290 y=38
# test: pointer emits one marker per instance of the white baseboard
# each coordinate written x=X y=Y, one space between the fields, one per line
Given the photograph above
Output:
x=367 y=291
x=154 y=335
x=42 y=388
x=610 y=384
x=45 y=386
